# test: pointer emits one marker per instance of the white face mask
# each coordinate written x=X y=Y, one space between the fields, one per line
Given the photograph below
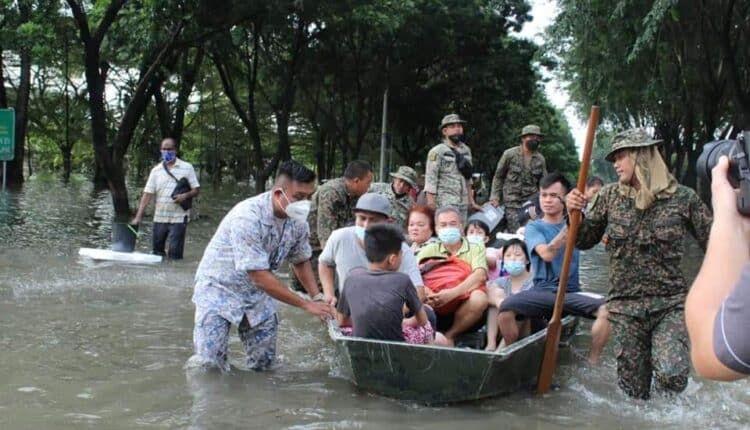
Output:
x=297 y=210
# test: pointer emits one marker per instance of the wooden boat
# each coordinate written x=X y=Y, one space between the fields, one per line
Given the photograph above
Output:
x=431 y=374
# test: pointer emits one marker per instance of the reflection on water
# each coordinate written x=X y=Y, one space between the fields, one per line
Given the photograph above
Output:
x=102 y=345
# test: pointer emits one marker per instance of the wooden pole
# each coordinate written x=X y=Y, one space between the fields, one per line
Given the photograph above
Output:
x=555 y=325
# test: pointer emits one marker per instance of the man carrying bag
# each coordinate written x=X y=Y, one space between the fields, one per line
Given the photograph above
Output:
x=175 y=184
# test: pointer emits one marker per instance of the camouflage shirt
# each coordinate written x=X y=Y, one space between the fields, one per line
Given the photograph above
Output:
x=400 y=205
x=442 y=177
x=645 y=246
x=517 y=177
x=331 y=209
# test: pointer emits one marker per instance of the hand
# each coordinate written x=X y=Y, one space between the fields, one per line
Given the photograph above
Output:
x=330 y=299
x=575 y=200
x=724 y=199
x=495 y=201
x=179 y=198
x=322 y=310
x=441 y=298
x=531 y=210
x=136 y=220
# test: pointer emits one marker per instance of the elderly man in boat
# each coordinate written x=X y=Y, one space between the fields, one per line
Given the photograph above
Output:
x=545 y=239
x=454 y=271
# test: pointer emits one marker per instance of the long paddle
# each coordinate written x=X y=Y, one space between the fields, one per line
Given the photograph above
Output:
x=555 y=325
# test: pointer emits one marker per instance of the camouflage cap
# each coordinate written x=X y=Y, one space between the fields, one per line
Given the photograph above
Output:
x=406 y=173
x=531 y=129
x=449 y=119
x=633 y=138
x=375 y=203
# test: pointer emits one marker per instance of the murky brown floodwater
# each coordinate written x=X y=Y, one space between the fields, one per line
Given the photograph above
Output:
x=99 y=345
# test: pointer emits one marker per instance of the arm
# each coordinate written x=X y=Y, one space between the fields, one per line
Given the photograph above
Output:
x=471 y=282
x=496 y=193
x=266 y=281
x=327 y=275
x=726 y=255
x=700 y=220
x=431 y=172
x=594 y=224
x=548 y=251
x=303 y=272
x=145 y=199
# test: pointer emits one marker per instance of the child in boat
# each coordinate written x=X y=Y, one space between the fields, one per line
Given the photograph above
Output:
x=516 y=263
x=372 y=300
x=478 y=232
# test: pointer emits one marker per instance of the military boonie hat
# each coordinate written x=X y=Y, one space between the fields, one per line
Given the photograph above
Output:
x=451 y=119
x=633 y=138
x=531 y=129
x=375 y=203
x=406 y=173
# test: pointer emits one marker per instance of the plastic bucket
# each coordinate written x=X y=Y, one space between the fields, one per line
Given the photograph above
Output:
x=124 y=236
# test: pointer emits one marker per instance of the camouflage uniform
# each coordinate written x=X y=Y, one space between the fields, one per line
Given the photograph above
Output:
x=516 y=179
x=331 y=209
x=400 y=204
x=443 y=178
x=647 y=289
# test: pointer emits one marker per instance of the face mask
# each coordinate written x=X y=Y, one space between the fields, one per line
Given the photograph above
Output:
x=168 y=156
x=514 y=267
x=533 y=144
x=359 y=232
x=475 y=238
x=449 y=235
x=297 y=210
x=456 y=138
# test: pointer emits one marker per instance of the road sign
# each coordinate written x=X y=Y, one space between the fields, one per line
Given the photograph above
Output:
x=7 y=134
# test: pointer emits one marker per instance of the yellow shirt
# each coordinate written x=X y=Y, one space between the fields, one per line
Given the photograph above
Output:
x=472 y=253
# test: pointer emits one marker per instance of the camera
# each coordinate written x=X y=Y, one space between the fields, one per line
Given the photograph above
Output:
x=738 y=152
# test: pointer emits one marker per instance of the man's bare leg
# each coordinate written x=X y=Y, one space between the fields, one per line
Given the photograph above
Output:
x=508 y=327
x=600 y=331
x=467 y=314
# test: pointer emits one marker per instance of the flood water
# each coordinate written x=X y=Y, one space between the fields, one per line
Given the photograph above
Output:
x=102 y=345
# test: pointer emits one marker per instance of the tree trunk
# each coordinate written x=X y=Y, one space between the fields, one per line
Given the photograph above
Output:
x=15 y=167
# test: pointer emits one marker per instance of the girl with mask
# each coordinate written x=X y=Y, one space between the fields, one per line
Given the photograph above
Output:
x=479 y=233
x=516 y=263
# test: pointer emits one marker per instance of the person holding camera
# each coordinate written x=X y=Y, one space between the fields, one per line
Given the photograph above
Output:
x=171 y=209
x=717 y=311
x=448 y=170
x=646 y=216
x=517 y=175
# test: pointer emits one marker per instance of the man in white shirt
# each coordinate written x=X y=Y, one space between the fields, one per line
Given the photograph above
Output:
x=170 y=219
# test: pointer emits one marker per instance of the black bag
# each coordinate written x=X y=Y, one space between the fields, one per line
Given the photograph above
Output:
x=464 y=165
x=182 y=187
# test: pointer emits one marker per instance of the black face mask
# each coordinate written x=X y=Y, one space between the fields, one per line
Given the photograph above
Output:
x=456 y=138
x=533 y=144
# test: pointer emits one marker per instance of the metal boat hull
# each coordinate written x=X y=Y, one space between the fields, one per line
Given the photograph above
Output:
x=430 y=374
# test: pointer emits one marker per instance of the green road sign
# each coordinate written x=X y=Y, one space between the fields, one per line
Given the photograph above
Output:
x=7 y=134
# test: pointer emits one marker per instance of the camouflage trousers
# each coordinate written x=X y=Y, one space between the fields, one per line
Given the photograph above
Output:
x=651 y=344
x=511 y=219
x=295 y=283
x=211 y=341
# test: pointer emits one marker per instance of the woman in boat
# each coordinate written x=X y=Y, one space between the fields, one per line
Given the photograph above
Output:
x=516 y=263
x=421 y=227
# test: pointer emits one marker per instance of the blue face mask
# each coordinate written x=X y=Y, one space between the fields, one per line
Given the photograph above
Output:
x=359 y=232
x=168 y=156
x=449 y=235
x=514 y=267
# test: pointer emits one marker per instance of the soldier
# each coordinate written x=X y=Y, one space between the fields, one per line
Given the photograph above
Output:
x=517 y=175
x=448 y=170
x=332 y=207
x=646 y=216
x=398 y=193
